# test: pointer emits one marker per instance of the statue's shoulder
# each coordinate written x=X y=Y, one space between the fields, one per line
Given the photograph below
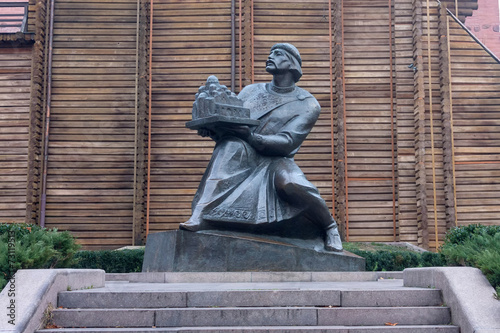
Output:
x=251 y=90
x=307 y=97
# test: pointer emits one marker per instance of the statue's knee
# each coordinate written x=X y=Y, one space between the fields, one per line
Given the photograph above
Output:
x=285 y=187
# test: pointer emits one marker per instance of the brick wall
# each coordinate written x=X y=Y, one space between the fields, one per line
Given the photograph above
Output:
x=484 y=23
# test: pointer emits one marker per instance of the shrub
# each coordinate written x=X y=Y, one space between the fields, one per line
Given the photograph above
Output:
x=398 y=260
x=458 y=235
x=477 y=246
x=33 y=247
x=123 y=261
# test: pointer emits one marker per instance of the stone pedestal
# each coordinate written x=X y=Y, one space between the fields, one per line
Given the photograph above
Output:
x=230 y=251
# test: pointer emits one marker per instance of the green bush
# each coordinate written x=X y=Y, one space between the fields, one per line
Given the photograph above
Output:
x=398 y=260
x=459 y=235
x=123 y=261
x=477 y=246
x=24 y=246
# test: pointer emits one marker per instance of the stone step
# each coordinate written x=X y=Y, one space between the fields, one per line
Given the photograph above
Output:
x=268 y=329
x=252 y=316
x=247 y=298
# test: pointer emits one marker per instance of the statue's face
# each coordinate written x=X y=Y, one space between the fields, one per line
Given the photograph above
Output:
x=277 y=62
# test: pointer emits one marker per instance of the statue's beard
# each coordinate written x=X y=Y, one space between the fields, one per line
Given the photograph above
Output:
x=274 y=70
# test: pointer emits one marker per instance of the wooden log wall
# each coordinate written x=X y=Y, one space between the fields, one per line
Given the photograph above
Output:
x=90 y=171
x=475 y=124
x=405 y=129
x=405 y=147
x=191 y=41
x=186 y=53
x=307 y=26
x=433 y=125
x=369 y=124
x=37 y=106
x=15 y=84
x=431 y=215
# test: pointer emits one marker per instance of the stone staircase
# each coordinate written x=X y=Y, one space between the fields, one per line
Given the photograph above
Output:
x=268 y=307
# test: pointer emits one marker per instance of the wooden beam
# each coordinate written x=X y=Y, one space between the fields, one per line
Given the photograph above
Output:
x=419 y=118
x=139 y=218
x=339 y=151
x=447 y=119
x=38 y=79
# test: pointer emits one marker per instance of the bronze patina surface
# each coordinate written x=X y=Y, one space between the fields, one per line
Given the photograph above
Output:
x=252 y=180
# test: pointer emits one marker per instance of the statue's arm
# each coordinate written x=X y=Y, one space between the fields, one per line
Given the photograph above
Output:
x=290 y=136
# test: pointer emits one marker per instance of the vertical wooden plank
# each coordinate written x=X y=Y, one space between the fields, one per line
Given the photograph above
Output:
x=343 y=143
x=139 y=218
x=419 y=118
x=431 y=123
x=433 y=135
x=332 y=94
x=247 y=42
x=393 y=151
x=338 y=135
x=446 y=115
x=36 y=114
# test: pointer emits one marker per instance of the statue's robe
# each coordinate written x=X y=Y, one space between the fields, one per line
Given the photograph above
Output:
x=239 y=182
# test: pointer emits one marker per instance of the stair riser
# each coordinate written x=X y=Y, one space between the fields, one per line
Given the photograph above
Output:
x=251 y=317
x=413 y=329
x=389 y=298
x=366 y=298
x=380 y=316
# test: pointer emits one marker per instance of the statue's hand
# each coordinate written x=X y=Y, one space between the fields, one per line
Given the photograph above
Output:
x=203 y=132
x=240 y=131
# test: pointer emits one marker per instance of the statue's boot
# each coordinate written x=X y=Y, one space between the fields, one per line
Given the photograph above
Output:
x=301 y=194
x=195 y=222
x=332 y=238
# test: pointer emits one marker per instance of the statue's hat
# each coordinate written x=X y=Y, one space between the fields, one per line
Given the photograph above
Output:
x=296 y=67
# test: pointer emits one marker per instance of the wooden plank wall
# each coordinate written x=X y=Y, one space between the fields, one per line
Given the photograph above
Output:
x=405 y=130
x=431 y=215
x=370 y=115
x=191 y=41
x=475 y=89
x=436 y=224
x=398 y=174
x=186 y=53
x=306 y=26
x=91 y=151
x=15 y=83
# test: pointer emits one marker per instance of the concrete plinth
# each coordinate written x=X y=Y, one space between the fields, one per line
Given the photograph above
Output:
x=213 y=251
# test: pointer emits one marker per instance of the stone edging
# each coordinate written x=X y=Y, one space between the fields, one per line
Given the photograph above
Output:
x=33 y=290
x=466 y=291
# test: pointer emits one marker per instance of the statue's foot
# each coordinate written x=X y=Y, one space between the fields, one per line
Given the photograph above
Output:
x=191 y=225
x=332 y=240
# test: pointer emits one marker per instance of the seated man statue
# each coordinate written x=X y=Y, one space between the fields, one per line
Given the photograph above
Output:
x=252 y=177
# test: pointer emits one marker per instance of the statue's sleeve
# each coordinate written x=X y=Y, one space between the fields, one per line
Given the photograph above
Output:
x=291 y=134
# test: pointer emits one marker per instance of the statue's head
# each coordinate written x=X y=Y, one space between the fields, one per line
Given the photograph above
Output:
x=284 y=57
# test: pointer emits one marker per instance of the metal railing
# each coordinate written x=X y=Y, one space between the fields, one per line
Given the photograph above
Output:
x=13 y=21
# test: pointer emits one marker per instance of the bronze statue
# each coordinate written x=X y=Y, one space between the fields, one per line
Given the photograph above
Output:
x=252 y=178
